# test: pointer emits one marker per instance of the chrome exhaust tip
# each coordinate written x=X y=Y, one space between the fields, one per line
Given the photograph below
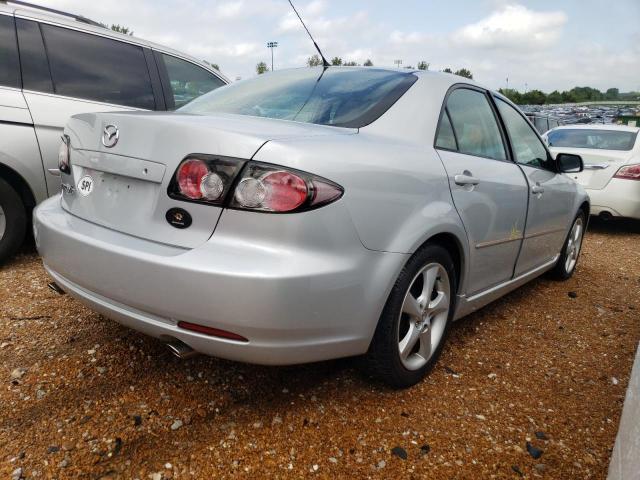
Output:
x=56 y=288
x=179 y=348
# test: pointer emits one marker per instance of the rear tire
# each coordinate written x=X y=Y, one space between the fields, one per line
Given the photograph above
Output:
x=415 y=321
x=13 y=221
x=571 y=249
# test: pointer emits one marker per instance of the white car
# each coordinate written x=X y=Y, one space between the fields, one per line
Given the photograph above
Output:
x=611 y=155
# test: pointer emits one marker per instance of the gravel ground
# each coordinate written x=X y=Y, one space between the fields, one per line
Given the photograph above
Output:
x=542 y=371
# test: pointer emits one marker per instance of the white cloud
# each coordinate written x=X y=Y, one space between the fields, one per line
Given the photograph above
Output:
x=513 y=26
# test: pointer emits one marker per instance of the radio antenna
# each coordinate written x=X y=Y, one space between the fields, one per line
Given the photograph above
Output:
x=324 y=60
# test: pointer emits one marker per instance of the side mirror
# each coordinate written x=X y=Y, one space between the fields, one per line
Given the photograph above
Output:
x=569 y=163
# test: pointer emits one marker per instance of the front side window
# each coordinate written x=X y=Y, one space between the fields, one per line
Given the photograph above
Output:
x=97 y=68
x=475 y=124
x=187 y=80
x=592 y=138
x=9 y=64
x=341 y=97
x=528 y=149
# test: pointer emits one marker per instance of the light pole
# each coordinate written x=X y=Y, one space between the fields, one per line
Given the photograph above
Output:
x=272 y=45
x=398 y=62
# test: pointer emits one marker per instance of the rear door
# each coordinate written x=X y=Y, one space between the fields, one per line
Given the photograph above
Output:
x=551 y=195
x=488 y=189
x=603 y=152
x=66 y=72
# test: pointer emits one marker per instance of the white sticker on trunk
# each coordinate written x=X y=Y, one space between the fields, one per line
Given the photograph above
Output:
x=85 y=185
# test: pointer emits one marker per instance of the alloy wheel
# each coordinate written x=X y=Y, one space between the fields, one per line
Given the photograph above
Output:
x=574 y=243
x=3 y=222
x=423 y=317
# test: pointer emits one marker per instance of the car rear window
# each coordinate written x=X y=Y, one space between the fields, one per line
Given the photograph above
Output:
x=9 y=65
x=342 y=97
x=596 y=139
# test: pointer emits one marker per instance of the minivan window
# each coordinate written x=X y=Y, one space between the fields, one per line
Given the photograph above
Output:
x=97 y=68
x=527 y=147
x=475 y=124
x=336 y=96
x=592 y=138
x=9 y=65
x=33 y=59
x=187 y=80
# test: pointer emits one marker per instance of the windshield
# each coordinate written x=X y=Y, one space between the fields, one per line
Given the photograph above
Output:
x=597 y=139
x=341 y=97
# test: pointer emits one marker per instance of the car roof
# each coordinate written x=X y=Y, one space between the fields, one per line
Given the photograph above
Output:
x=620 y=128
x=33 y=13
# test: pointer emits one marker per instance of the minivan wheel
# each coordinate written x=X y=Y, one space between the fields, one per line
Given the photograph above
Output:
x=13 y=221
x=571 y=250
x=415 y=321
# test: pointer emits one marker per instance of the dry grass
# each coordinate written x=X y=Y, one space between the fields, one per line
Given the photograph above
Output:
x=98 y=400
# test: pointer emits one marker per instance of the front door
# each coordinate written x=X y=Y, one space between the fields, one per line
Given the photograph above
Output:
x=551 y=194
x=488 y=190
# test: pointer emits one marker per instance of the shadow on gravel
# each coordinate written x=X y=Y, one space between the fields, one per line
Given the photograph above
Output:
x=614 y=226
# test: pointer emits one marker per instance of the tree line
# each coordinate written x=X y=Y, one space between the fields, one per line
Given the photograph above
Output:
x=575 y=95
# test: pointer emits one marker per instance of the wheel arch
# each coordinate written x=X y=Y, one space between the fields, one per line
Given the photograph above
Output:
x=453 y=245
x=19 y=184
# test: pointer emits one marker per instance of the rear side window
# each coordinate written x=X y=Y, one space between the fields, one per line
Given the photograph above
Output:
x=188 y=81
x=9 y=64
x=528 y=149
x=598 y=139
x=97 y=68
x=475 y=125
x=35 y=68
x=446 y=138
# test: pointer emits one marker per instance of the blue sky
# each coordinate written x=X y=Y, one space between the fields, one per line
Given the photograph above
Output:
x=541 y=43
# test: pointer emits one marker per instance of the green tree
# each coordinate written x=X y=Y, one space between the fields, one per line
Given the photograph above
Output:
x=314 y=61
x=351 y=63
x=554 y=97
x=465 y=72
x=261 y=68
x=534 y=97
x=612 y=94
x=447 y=70
x=336 y=61
x=122 y=29
x=212 y=65
x=422 y=65
x=368 y=63
x=512 y=95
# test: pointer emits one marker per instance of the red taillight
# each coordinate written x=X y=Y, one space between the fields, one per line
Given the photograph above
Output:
x=629 y=172
x=214 y=332
x=285 y=191
x=189 y=177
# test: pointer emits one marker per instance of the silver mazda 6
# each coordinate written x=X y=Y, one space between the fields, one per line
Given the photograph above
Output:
x=311 y=214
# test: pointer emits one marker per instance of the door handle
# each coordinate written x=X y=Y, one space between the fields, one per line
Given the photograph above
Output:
x=465 y=180
x=596 y=166
x=537 y=189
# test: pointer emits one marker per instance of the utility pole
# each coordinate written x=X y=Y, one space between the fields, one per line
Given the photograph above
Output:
x=272 y=45
x=507 y=83
x=398 y=62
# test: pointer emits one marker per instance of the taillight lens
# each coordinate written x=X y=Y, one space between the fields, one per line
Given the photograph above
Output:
x=271 y=188
x=262 y=187
x=630 y=172
x=64 y=155
x=204 y=178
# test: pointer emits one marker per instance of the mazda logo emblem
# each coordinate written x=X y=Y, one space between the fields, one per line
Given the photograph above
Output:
x=110 y=136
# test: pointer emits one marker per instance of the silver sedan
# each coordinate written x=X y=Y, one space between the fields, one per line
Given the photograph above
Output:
x=311 y=214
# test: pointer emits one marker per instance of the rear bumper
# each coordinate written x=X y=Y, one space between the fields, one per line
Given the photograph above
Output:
x=620 y=197
x=294 y=304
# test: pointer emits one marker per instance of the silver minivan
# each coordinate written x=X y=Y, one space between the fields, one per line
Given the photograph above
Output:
x=54 y=65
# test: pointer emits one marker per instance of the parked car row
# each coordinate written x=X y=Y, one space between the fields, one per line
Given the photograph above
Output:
x=55 y=65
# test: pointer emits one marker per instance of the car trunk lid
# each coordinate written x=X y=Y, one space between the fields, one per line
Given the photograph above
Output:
x=599 y=165
x=124 y=187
